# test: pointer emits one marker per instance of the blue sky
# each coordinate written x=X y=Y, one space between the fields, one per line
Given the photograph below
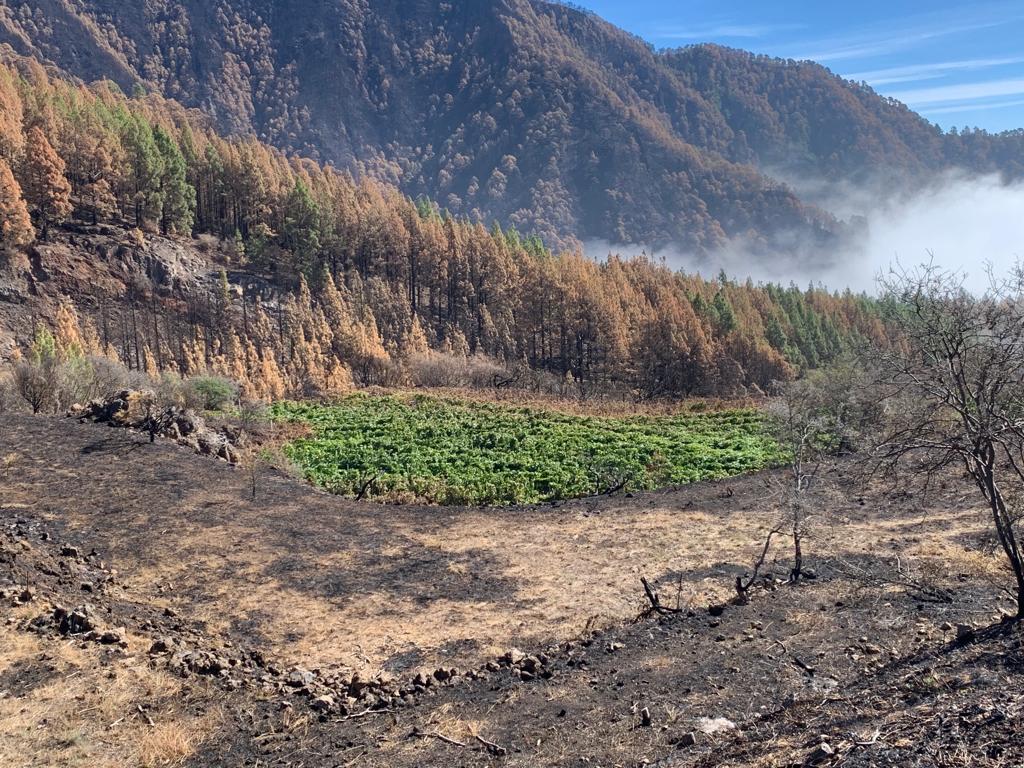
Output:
x=957 y=63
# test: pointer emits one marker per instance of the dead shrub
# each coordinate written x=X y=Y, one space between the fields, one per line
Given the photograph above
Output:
x=444 y=370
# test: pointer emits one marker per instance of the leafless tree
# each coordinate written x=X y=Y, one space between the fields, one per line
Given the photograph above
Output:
x=814 y=419
x=38 y=383
x=802 y=423
x=955 y=379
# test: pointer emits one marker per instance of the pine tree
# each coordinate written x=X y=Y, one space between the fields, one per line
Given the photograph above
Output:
x=11 y=136
x=145 y=164
x=15 y=224
x=177 y=196
x=94 y=170
x=68 y=339
x=301 y=232
x=46 y=189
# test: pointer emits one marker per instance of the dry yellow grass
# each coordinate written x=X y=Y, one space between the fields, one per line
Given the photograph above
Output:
x=80 y=707
x=322 y=582
x=494 y=578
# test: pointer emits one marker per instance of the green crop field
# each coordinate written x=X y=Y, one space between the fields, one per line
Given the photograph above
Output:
x=459 y=452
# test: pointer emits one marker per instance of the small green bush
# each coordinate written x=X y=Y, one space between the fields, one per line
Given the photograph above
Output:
x=211 y=393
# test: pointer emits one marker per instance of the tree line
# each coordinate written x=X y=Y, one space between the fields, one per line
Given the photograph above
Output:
x=366 y=279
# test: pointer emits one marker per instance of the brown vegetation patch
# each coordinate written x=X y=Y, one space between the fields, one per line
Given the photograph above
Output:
x=63 y=703
x=319 y=581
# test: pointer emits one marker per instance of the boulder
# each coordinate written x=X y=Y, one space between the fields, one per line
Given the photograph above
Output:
x=299 y=677
x=204 y=663
x=161 y=646
x=113 y=637
x=822 y=753
x=513 y=656
x=75 y=622
x=686 y=740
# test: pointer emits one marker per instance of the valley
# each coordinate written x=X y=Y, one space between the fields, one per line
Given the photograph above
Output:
x=412 y=384
x=298 y=579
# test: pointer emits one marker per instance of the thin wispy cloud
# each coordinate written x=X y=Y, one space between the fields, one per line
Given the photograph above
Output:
x=962 y=92
x=723 y=30
x=905 y=33
x=972 y=107
x=932 y=71
x=864 y=46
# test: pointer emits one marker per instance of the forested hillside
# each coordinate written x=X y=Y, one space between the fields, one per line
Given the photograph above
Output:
x=325 y=280
x=534 y=114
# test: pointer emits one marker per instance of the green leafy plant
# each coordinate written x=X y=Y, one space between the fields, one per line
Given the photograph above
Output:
x=212 y=393
x=454 y=452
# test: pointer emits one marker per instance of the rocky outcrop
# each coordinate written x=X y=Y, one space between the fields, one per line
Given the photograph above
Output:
x=139 y=410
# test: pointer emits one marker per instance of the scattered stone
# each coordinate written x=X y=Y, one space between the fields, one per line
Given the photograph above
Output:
x=713 y=725
x=323 y=703
x=134 y=409
x=686 y=740
x=820 y=754
x=76 y=622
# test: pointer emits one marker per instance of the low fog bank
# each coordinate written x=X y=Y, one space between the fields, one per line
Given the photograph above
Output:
x=967 y=223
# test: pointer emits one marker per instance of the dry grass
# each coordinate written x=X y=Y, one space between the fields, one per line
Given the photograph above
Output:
x=322 y=581
x=567 y=570
x=80 y=706
x=608 y=406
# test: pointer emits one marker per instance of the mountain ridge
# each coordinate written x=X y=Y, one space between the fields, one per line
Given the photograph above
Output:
x=536 y=114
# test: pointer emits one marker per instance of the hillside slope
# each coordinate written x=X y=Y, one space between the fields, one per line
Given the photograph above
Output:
x=232 y=617
x=535 y=114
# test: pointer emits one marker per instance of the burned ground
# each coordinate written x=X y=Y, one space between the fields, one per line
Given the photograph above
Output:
x=864 y=657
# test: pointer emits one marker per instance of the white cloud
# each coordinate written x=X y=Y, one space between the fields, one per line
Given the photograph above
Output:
x=724 y=30
x=961 y=92
x=917 y=72
x=901 y=34
x=861 y=47
x=972 y=107
x=966 y=223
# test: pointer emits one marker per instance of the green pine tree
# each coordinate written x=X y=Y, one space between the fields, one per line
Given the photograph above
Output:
x=177 y=196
